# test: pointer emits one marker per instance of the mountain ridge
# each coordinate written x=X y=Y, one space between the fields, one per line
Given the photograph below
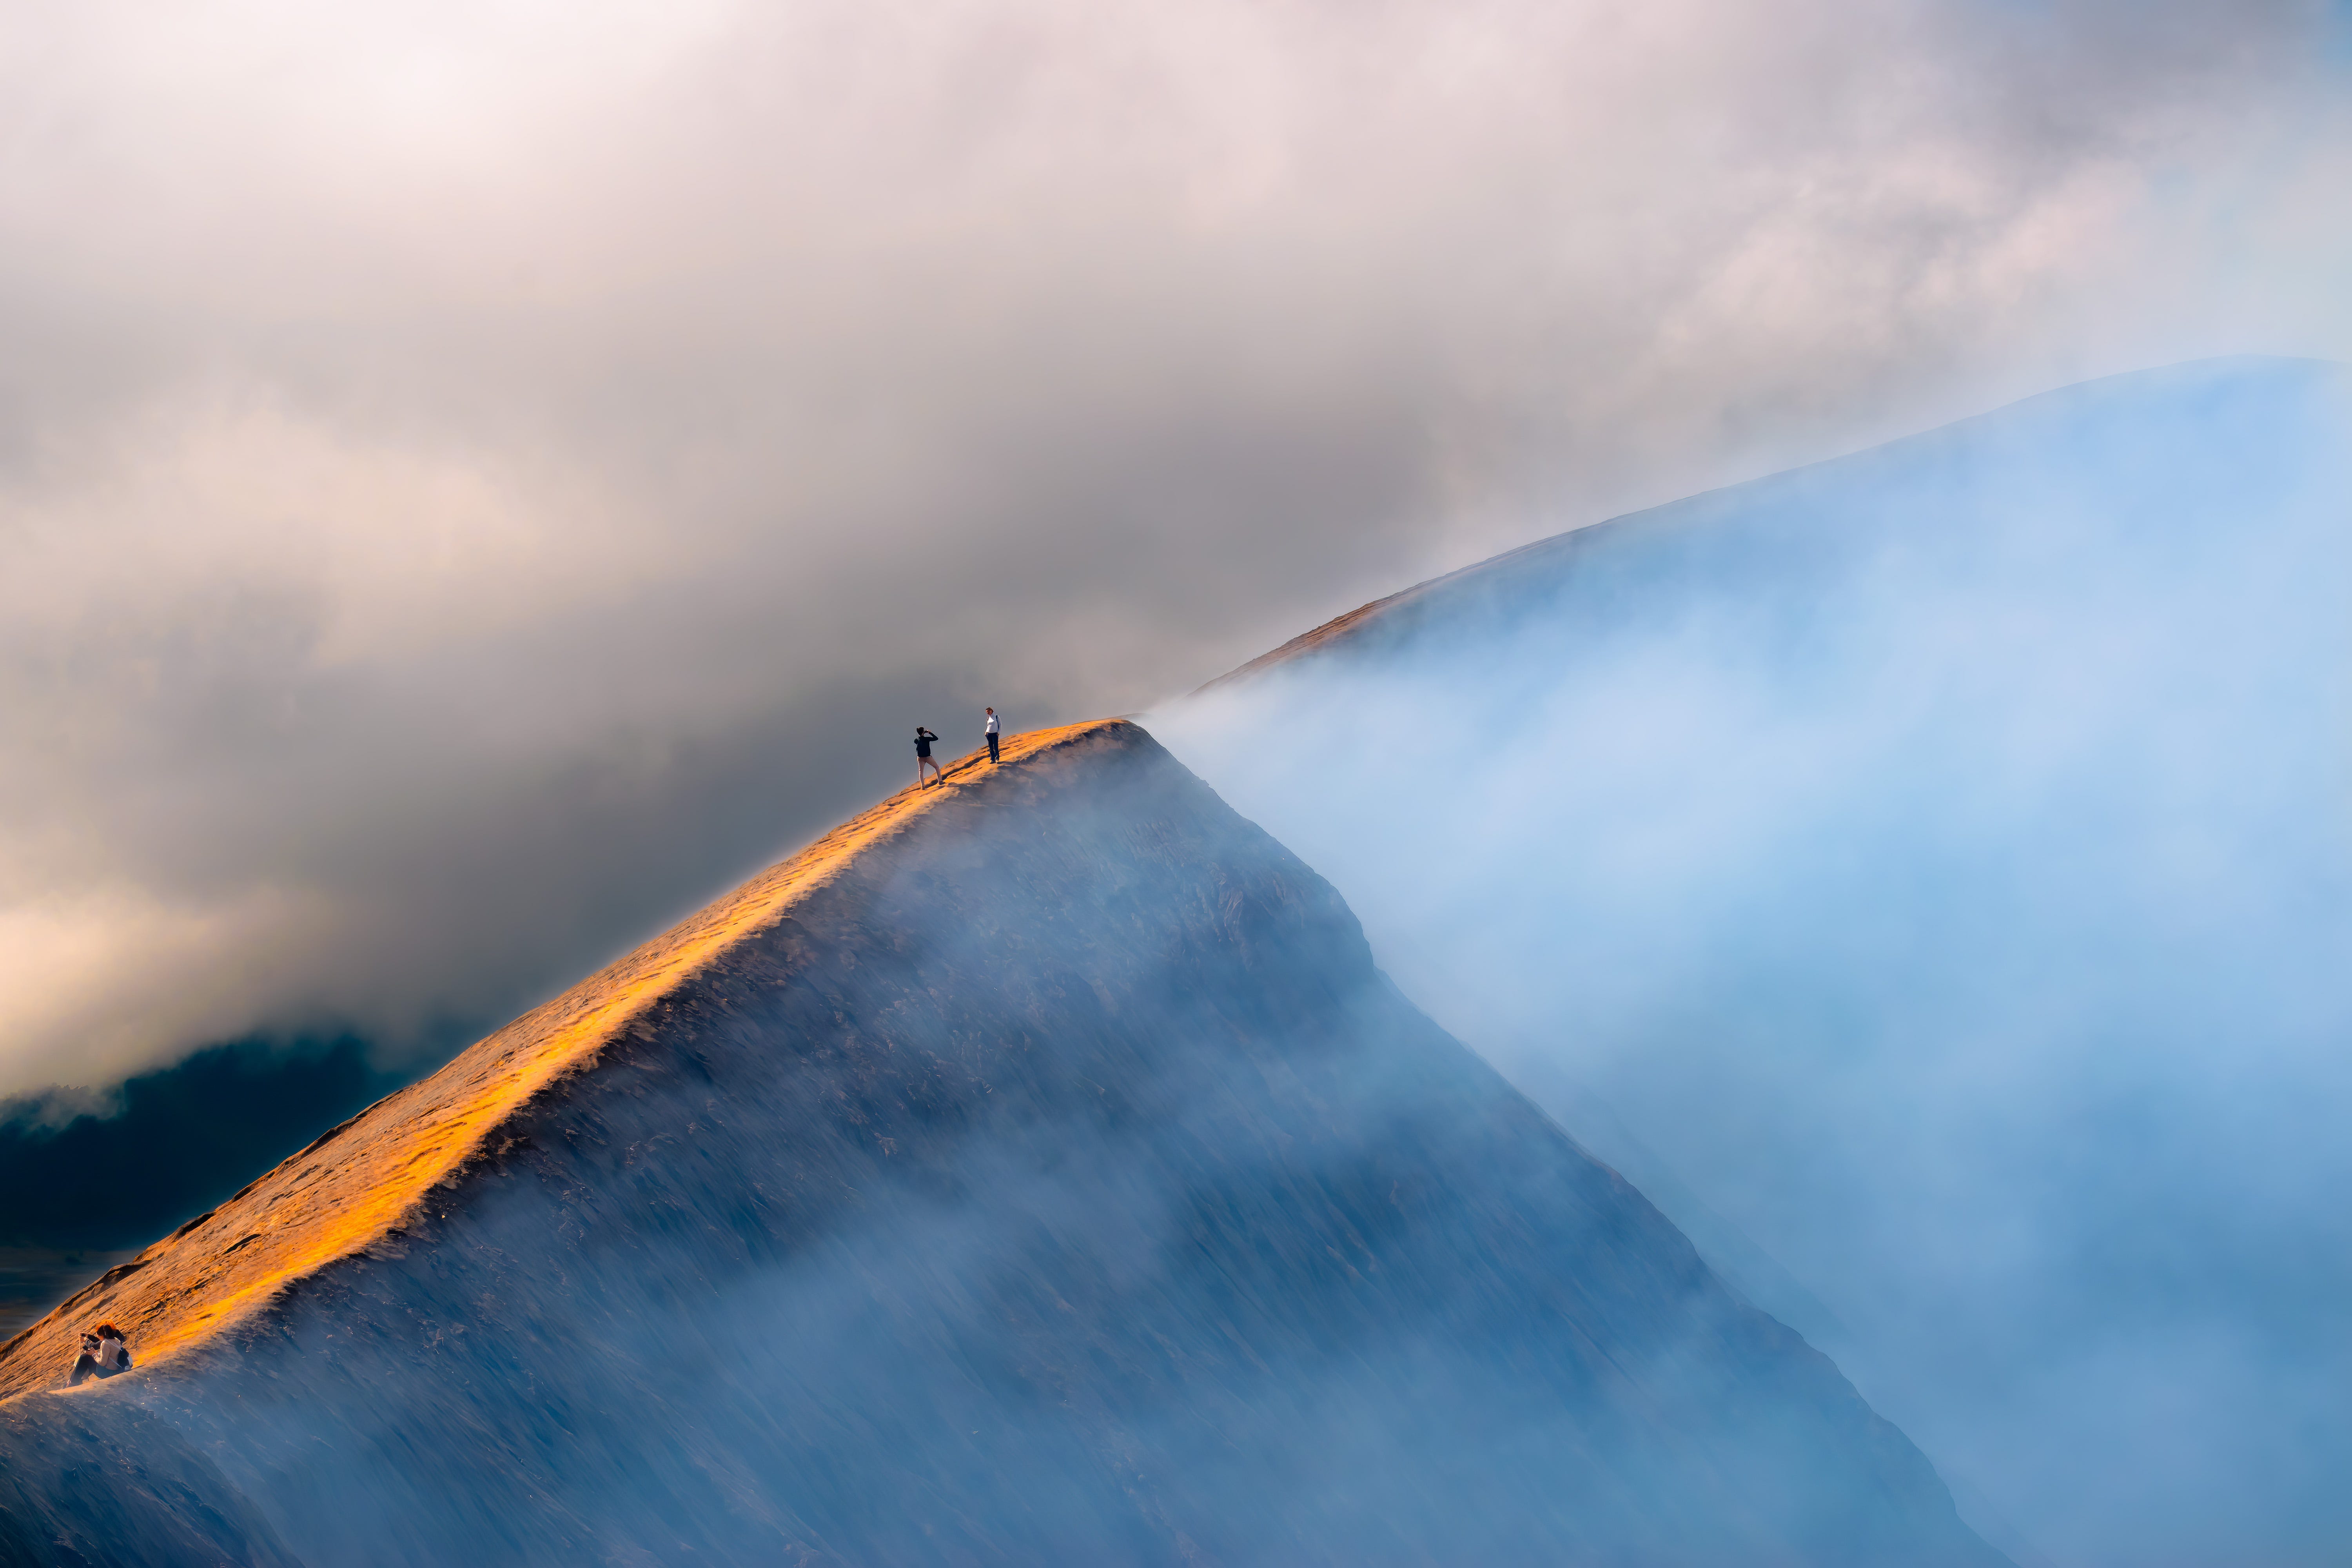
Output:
x=154 y=1295
x=1526 y=570
x=1055 y=1178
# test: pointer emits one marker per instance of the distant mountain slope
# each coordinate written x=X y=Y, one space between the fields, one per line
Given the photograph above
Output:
x=1939 y=859
x=1035 y=1170
x=1776 y=531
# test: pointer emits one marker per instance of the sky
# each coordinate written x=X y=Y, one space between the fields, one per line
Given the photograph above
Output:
x=479 y=480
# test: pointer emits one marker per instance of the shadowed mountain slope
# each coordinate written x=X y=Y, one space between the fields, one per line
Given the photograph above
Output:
x=1035 y=1169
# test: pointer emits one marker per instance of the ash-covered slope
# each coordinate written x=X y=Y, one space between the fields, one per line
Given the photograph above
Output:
x=1038 y=1169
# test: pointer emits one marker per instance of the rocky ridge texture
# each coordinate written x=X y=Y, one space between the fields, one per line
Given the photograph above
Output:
x=1035 y=1169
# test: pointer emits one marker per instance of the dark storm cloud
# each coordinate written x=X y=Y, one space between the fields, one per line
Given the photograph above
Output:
x=474 y=480
x=170 y=1143
x=88 y=1180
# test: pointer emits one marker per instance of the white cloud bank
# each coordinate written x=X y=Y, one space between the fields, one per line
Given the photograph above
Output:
x=475 y=477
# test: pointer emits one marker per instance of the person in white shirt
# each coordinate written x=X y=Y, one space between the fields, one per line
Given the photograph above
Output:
x=991 y=734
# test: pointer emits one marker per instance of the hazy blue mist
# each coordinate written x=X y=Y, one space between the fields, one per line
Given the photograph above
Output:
x=1942 y=859
x=1061 y=1182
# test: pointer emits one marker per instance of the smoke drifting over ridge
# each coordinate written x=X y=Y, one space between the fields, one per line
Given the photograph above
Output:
x=474 y=480
x=1941 y=859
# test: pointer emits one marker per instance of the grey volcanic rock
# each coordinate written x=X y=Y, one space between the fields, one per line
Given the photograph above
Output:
x=91 y=1481
x=1059 y=1181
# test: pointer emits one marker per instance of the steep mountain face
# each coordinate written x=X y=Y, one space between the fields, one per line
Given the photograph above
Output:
x=1037 y=1170
x=1936 y=860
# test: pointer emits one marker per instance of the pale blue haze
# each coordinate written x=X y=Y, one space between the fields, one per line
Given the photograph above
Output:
x=1941 y=861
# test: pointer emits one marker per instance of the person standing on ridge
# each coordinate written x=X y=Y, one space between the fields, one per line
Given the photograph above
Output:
x=923 y=739
x=991 y=734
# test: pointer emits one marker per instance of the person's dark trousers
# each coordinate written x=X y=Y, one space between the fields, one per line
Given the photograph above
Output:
x=991 y=746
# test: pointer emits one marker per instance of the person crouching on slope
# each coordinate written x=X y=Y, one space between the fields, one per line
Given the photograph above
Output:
x=923 y=739
x=104 y=1353
x=992 y=737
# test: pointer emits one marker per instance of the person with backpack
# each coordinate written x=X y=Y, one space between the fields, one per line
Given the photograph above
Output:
x=991 y=735
x=923 y=739
x=104 y=1353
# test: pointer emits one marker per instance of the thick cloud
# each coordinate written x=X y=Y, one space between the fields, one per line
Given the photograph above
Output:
x=474 y=479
